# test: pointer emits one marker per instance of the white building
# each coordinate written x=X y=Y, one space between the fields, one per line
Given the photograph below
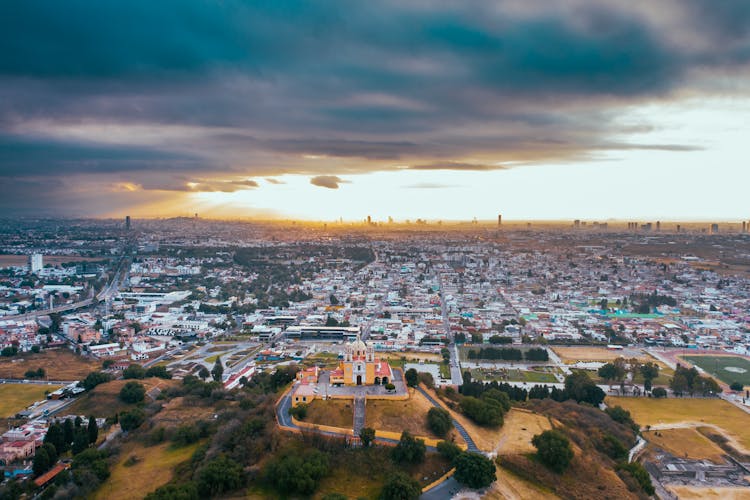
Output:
x=35 y=263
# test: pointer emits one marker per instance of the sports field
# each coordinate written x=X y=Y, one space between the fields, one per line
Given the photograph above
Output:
x=16 y=397
x=728 y=369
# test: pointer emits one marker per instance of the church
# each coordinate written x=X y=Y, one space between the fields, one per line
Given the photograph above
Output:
x=361 y=367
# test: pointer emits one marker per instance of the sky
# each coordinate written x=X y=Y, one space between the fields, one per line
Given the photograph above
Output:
x=440 y=110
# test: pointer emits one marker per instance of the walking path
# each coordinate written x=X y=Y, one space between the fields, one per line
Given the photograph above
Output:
x=471 y=446
x=359 y=413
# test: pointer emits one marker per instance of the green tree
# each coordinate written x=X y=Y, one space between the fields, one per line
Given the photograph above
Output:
x=409 y=449
x=132 y=392
x=132 y=419
x=474 y=470
x=218 y=476
x=659 y=392
x=292 y=472
x=608 y=372
x=134 y=371
x=80 y=441
x=95 y=378
x=553 y=450
x=449 y=450
x=218 y=370
x=56 y=437
x=159 y=371
x=42 y=462
x=486 y=412
x=412 y=377
x=439 y=421
x=367 y=435
x=299 y=411
x=399 y=486
x=736 y=386
x=93 y=430
x=184 y=491
x=204 y=373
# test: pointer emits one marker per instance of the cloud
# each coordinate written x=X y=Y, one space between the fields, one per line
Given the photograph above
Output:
x=452 y=165
x=327 y=181
x=164 y=93
x=271 y=180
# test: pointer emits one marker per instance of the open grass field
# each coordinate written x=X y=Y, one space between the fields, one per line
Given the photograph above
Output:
x=718 y=493
x=398 y=416
x=589 y=353
x=103 y=401
x=16 y=397
x=511 y=487
x=734 y=422
x=688 y=443
x=519 y=427
x=728 y=369
x=154 y=468
x=333 y=412
x=60 y=364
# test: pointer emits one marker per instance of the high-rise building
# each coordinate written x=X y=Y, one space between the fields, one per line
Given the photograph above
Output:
x=658 y=226
x=499 y=219
x=714 y=228
x=127 y=222
x=369 y=220
x=35 y=263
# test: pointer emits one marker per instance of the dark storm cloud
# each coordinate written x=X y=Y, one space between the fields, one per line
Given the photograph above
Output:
x=327 y=181
x=243 y=88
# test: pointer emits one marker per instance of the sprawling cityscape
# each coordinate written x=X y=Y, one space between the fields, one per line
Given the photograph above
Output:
x=435 y=250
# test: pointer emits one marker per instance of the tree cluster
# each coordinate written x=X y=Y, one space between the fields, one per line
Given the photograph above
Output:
x=689 y=381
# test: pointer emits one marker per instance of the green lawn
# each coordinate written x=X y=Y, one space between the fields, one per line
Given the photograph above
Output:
x=513 y=375
x=728 y=369
x=16 y=397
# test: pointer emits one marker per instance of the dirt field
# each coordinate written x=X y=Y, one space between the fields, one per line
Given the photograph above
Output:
x=572 y=354
x=16 y=397
x=333 y=412
x=398 y=416
x=413 y=356
x=60 y=364
x=688 y=443
x=175 y=413
x=153 y=469
x=519 y=427
x=734 y=422
x=511 y=487
x=23 y=260
x=694 y=493
x=103 y=400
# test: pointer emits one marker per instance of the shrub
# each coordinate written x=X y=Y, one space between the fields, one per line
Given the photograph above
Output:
x=449 y=450
x=132 y=419
x=134 y=371
x=400 y=487
x=439 y=421
x=218 y=476
x=639 y=473
x=409 y=449
x=297 y=473
x=132 y=392
x=299 y=412
x=659 y=392
x=488 y=412
x=474 y=470
x=736 y=386
x=553 y=450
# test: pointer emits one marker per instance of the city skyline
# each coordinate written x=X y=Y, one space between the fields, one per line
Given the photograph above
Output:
x=439 y=111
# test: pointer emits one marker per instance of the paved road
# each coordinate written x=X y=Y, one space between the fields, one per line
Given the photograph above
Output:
x=469 y=442
x=37 y=382
x=455 y=365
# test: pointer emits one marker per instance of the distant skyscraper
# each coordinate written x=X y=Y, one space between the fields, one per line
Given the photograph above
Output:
x=577 y=223
x=714 y=228
x=658 y=225
x=35 y=263
x=127 y=222
x=499 y=219
x=369 y=219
